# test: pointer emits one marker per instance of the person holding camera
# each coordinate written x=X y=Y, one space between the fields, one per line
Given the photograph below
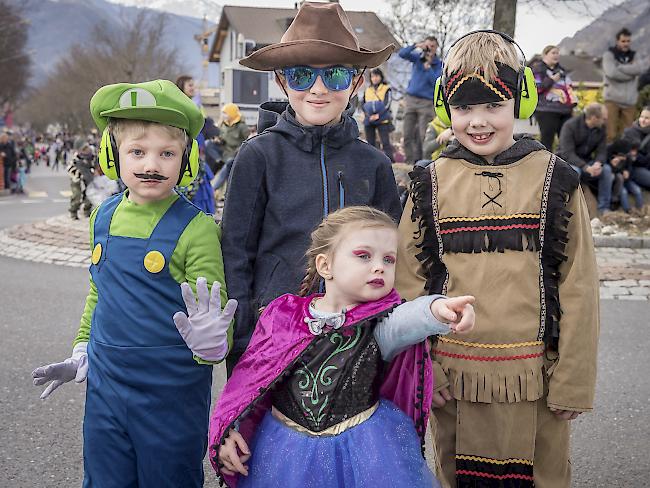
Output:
x=418 y=108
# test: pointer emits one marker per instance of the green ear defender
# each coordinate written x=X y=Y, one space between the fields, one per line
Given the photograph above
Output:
x=526 y=101
x=108 y=156
x=440 y=103
x=190 y=164
x=109 y=159
x=525 y=97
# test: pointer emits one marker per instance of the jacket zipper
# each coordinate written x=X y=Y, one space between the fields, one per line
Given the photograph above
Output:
x=323 y=170
x=339 y=176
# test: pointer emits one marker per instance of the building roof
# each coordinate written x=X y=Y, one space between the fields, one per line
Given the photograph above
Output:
x=266 y=26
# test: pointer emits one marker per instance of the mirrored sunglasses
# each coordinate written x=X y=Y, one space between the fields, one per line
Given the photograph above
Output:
x=335 y=78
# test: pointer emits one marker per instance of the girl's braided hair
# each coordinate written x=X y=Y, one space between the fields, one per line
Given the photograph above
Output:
x=329 y=232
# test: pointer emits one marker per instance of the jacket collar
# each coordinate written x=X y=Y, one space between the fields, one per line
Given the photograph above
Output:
x=279 y=117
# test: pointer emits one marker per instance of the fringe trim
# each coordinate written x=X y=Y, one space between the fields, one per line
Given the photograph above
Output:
x=471 y=241
x=526 y=385
x=493 y=376
x=422 y=195
x=555 y=236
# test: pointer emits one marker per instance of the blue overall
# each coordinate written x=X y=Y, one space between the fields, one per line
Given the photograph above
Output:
x=147 y=400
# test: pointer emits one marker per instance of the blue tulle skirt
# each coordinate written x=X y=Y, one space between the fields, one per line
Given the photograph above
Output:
x=384 y=451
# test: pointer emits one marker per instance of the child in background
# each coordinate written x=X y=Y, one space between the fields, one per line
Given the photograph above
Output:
x=305 y=162
x=81 y=172
x=621 y=155
x=376 y=102
x=341 y=380
x=149 y=375
x=506 y=220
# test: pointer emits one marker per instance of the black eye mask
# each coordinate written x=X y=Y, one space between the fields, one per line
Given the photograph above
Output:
x=150 y=176
x=474 y=88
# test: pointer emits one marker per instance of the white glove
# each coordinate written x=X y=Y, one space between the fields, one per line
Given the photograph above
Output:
x=74 y=368
x=205 y=331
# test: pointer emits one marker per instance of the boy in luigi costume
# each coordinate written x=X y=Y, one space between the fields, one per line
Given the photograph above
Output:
x=148 y=364
x=502 y=218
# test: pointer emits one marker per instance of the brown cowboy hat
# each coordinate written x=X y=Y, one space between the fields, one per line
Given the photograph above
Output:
x=320 y=34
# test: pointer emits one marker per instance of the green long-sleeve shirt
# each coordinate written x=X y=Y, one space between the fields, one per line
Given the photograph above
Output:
x=198 y=252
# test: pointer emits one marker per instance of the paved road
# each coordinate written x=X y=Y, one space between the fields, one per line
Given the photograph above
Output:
x=47 y=195
x=41 y=440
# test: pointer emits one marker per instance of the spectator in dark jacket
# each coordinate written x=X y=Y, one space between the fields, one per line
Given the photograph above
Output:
x=620 y=156
x=556 y=98
x=418 y=101
x=8 y=155
x=639 y=135
x=583 y=144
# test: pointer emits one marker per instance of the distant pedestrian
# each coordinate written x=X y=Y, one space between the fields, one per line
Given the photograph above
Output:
x=8 y=154
x=620 y=70
x=619 y=157
x=376 y=101
x=81 y=171
x=639 y=135
x=418 y=110
x=555 y=95
x=233 y=131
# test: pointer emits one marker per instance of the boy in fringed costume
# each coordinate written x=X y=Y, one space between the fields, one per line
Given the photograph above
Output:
x=501 y=217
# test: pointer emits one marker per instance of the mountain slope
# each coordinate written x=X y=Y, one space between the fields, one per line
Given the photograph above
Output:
x=601 y=33
x=55 y=25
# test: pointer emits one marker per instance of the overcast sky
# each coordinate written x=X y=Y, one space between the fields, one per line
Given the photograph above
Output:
x=536 y=26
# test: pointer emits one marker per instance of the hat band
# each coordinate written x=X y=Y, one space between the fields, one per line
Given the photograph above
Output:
x=475 y=88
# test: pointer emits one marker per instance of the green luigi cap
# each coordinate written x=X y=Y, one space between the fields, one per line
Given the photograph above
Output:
x=154 y=101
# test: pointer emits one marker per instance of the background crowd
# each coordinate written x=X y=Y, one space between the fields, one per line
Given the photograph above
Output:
x=607 y=142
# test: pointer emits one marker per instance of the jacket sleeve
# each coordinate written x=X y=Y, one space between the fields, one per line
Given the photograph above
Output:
x=542 y=80
x=601 y=150
x=410 y=279
x=633 y=69
x=573 y=374
x=612 y=69
x=386 y=197
x=387 y=101
x=567 y=147
x=243 y=217
x=409 y=54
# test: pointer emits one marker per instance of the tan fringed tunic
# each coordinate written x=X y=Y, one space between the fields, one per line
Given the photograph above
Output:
x=516 y=236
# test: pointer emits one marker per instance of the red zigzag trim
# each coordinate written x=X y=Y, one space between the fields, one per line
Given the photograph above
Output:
x=491 y=227
x=487 y=358
x=495 y=476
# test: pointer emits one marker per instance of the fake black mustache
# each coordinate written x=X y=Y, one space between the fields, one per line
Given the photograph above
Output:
x=150 y=176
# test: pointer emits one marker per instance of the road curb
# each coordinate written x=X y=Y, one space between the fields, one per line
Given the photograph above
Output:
x=622 y=241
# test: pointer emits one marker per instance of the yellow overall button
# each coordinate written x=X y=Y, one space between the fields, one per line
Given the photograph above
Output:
x=154 y=261
x=97 y=253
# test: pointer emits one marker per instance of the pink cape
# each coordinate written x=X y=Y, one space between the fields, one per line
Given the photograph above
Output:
x=280 y=337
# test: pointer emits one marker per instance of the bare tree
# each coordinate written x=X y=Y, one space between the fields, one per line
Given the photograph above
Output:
x=139 y=51
x=15 y=62
x=412 y=20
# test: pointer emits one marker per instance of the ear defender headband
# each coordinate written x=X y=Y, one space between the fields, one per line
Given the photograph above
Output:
x=521 y=82
x=109 y=159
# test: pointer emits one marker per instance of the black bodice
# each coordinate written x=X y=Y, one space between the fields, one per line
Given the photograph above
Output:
x=337 y=377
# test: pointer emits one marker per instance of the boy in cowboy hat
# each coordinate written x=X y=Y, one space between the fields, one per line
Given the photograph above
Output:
x=149 y=382
x=506 y=220
x=303 y=165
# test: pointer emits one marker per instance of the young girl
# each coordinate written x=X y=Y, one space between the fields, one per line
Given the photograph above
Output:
x=335 y=388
